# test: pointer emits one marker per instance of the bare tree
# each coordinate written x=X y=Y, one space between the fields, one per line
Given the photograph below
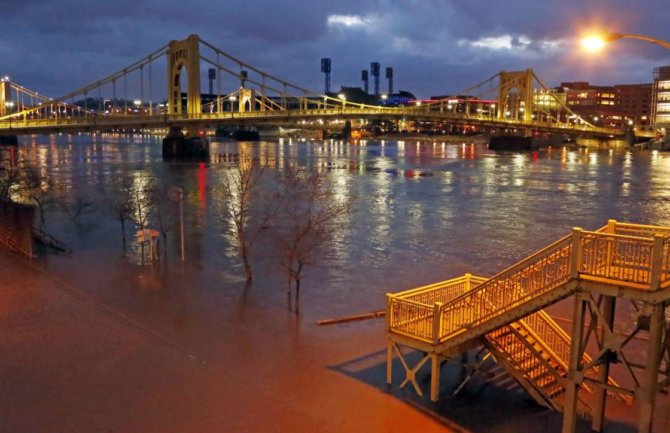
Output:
x=142 y=198
x=37 y=188
x=10 y=178
x=81 y=202
x=241 y=193
x=118 y=198
x=308 y=219
x=163 y=215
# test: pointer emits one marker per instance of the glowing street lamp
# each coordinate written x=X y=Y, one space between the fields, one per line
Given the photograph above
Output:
x=597 y=42
x=343 y=98
x=232 y=99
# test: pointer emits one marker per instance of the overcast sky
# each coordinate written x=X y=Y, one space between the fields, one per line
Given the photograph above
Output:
x=434 y=46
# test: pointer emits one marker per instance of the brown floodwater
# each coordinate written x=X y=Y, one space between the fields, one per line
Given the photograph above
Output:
x=423 y=212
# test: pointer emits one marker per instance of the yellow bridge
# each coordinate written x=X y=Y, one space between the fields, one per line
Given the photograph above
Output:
x=241 y=94
x=503 y=318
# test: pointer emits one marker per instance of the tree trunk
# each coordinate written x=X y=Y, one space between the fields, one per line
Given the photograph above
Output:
x=248 y=273
x=297 y=288
x=297 y=296
x=123 y=231
x=288 y=293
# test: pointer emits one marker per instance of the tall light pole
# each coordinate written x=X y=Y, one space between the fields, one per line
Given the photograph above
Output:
x=175 y=193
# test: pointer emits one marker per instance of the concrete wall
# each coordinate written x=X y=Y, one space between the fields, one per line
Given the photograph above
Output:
x=16 y=227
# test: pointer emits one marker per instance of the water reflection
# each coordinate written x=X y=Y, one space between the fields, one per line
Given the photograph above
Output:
x=425 y=211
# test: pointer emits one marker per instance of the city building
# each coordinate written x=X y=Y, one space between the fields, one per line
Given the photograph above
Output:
x=634 y=103
x=595 y=104
x=660 y=108
x=618 y=106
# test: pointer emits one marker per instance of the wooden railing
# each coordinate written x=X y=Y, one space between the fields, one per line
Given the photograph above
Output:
x=538 y=274
x=554 y=339
x=411 y=312
x=551 y=335
x=616 y=257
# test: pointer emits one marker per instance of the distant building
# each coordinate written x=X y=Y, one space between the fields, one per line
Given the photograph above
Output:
x=613 y=106
x=634 y=102
x=595 y=104
x=660 y=107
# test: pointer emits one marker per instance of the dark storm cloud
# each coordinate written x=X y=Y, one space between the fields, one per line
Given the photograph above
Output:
x=435 y=46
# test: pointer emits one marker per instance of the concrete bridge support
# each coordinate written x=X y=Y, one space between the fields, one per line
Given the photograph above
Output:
x=9 y=140
x=178 y=146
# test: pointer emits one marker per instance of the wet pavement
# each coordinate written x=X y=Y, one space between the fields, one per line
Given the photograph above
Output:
x=73 y=363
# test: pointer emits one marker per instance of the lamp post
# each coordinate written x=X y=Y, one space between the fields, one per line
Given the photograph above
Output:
x=597 y=42
x=232 y=100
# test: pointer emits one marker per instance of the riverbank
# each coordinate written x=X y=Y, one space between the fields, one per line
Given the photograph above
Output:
x=73 y=363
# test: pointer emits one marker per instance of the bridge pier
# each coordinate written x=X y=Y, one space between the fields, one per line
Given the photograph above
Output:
x=511 y=142
x=9 y=140
x=177 y=146
x=346 y=131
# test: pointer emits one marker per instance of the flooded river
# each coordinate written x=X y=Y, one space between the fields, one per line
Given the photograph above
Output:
x=423 y=212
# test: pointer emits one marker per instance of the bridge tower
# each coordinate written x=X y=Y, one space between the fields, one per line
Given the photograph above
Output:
x=5 y=97
x=184 y=54
x=518 y=84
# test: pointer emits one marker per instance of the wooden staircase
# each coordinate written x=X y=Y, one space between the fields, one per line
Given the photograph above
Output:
x=505 y=312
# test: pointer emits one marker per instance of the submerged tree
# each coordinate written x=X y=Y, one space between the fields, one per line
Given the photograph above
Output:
x=118 y=199
x=310 y=214
x=132 y=198
x=10 y=179
x=37 y=188
x=242 y=198
x=143 y=198
x=164 y=215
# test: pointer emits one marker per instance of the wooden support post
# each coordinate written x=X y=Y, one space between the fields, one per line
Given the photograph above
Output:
x=608 y=310
x=576 y=255
x=574 y=379
x=389 y=312
x=390 y=343
x=389 y=361
x=656 y=263
x=435 y=377
x=646 y=394
x=611 y=226
x=437 y=321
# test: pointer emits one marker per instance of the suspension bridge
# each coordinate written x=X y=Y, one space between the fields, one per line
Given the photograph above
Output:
x=245 y=95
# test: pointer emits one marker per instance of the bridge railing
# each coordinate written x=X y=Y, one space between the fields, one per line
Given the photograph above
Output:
x=291 y=115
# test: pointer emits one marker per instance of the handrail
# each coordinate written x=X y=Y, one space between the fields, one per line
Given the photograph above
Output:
x=506 y=291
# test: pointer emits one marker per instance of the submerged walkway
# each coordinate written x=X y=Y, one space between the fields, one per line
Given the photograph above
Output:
x=70 y=364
